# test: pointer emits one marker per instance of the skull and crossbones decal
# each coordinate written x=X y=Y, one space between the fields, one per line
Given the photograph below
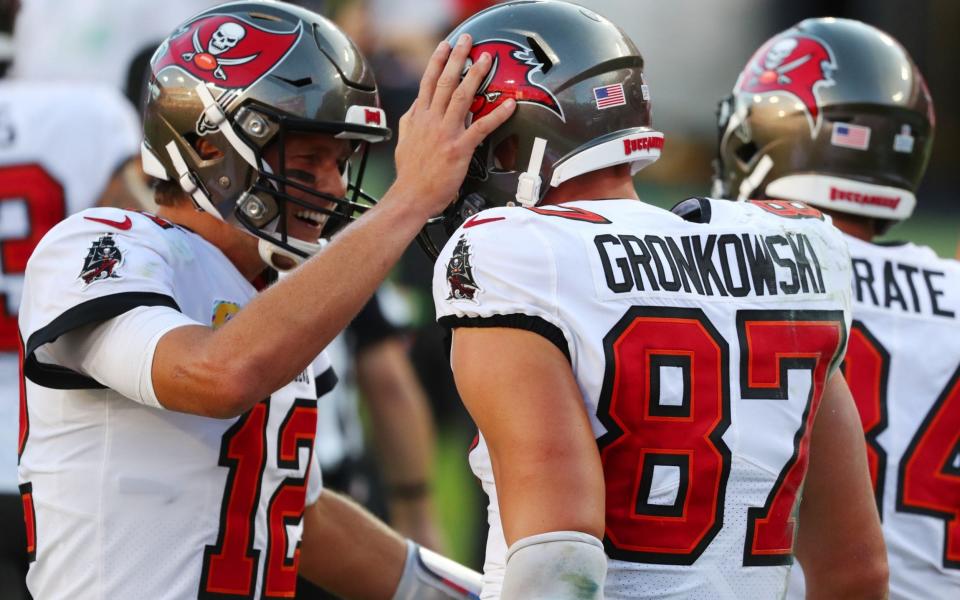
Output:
x=225 y=38
x=227 y=51
x=793 y=64
x=774 y=68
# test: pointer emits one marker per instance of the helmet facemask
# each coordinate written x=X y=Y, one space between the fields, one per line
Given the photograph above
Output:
x=265 y=208
x=291 y=73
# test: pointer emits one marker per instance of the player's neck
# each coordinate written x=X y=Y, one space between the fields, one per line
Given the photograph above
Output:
x=613 y=182
x=239 y=247
x=858 y=227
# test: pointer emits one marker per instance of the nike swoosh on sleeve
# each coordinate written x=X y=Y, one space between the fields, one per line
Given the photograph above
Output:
x=477 y=221
x=123 y=225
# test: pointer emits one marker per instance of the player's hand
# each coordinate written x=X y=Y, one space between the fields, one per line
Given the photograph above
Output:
x=434 y=146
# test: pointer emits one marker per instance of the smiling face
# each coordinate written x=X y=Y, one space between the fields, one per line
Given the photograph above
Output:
x=317 y=161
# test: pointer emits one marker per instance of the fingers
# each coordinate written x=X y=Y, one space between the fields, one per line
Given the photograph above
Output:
x=464 y=95
x=450 y=77
x=428 y=83
x=480 y=129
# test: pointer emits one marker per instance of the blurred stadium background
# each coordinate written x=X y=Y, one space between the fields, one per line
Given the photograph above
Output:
x=694 y=51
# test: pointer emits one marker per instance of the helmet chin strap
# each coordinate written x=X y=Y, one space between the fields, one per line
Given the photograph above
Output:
x=269 y=251
x=215 y=118
x=188 y=182
x=753 y=181
x=528 y=186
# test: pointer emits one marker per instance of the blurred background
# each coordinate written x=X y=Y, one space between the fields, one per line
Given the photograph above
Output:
x=694 y=50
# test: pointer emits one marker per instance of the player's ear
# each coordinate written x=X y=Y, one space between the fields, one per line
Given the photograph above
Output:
x=206 y=149
x=506 y=153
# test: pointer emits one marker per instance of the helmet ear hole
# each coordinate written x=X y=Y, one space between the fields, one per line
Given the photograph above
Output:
x=204 y=148
x=505 y=154
x=746 y=152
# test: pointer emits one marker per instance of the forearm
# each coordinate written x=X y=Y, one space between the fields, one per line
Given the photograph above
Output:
x=839 y=540
x=348 y=552
x=284 y=328
x=404 y=436
x=542 y=449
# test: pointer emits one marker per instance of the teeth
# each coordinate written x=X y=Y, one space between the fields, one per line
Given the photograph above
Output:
x=311 y=215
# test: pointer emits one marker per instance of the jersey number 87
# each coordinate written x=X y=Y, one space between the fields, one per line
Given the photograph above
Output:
x=643 y=434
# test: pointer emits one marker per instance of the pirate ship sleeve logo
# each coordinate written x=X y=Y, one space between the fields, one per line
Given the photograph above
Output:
x=101 y=261
x=226 y=50
x=460 y=273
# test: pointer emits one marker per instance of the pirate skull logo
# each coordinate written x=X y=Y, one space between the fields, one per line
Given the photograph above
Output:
x=225 y=38
x=773 y=61
x=797 y=65
x=226 y=50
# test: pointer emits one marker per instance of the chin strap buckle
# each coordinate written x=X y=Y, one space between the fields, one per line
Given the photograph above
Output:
x=528 y=186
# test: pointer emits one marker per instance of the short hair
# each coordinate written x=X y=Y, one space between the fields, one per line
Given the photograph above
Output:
x=167 y=193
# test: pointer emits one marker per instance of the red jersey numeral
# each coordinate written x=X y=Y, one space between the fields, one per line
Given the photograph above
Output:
x=24 y=432
x=570 y=212
x=866 y=369
x=646 y=431
x=29 y=519
x=788 y=209
x=45 y=204
x=646 y=434
x=230 y=566
x=287 y=504
x=772 y=343
x=929 y=473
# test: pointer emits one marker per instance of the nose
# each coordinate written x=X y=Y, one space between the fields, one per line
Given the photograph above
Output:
x=329 y=179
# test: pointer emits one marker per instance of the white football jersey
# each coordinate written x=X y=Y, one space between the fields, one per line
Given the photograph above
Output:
x=701 y=345
x=131 y=501
x=903 y=368
x=93 y=40
x=59 y=146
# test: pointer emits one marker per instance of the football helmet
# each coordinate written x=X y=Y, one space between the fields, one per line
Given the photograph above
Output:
x=582 y=105
x=244 y=75
x=832 y=112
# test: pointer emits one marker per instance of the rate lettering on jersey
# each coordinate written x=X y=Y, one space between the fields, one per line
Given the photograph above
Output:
x=899 y=286
x=730 y=264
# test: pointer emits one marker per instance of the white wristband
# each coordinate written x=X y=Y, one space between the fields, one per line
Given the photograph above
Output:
x=558 y=565
x=429 y=576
